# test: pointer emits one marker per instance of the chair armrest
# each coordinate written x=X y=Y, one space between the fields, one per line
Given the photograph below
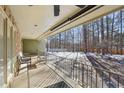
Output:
x=26 y=58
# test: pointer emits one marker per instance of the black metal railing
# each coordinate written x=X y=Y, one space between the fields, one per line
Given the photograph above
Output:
x=86 y=75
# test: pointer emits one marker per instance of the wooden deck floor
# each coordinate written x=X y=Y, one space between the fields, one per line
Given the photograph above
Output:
x=40 y=77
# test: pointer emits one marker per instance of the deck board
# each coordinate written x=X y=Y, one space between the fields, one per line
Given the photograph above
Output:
x=40 y=77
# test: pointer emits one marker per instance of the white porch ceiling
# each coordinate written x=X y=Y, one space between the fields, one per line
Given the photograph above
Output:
x=40 y=15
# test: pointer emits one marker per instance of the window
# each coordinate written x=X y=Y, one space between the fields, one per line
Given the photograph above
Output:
x=1 y=51
x=103 y=35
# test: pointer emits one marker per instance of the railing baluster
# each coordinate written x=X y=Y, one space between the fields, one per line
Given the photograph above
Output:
x=96 y=78
x=65 y=65
x=70 y=72
x=109 y=79
x=79 y=73
x=91 y=76
x=118 y=81
x=59 y=62
x=82 y=74
x=87 y=74
x=76 y=71
x=102 y=79
x=73 y=69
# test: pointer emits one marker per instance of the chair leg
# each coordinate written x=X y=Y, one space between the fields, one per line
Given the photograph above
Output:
x=30 y=63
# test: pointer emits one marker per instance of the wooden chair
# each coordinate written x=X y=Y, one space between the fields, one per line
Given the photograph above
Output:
x=21 y=60
x=24 y=60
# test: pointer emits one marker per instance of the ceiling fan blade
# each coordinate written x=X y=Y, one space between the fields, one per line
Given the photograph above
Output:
x=56 y=10
x=80 y=6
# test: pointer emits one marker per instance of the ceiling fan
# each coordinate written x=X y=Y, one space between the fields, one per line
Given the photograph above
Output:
x=57 y=9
